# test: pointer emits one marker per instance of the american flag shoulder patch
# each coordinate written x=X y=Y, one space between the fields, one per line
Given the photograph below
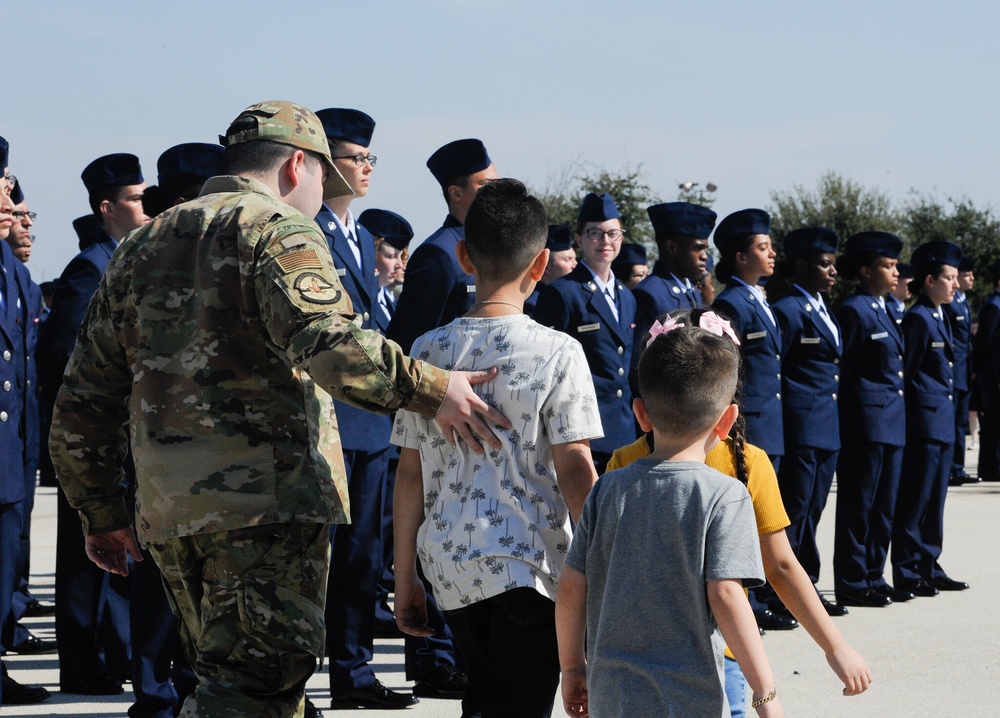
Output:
x=299 y=259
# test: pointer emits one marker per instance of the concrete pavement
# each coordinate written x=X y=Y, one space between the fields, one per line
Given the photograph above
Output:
x=930 y=657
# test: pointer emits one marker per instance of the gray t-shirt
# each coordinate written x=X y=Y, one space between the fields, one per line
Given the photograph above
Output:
x=650 y=537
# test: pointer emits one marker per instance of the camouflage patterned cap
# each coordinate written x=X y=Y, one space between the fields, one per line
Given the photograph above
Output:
x=290 y=124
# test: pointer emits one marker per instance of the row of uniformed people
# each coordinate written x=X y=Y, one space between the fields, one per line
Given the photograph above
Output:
x=793 y=393
x=20 y=309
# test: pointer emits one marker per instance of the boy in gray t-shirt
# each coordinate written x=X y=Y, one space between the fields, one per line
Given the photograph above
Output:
x=663 y=537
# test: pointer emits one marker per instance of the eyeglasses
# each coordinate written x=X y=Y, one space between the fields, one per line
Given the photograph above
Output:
x=359 y=160
x=19 y=215
x=596 y=235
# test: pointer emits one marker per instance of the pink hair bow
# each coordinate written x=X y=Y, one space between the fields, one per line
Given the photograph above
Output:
x=657 y=329
x=712 y=322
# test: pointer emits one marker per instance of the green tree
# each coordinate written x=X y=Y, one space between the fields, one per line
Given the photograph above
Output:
x=838 y=203
x=563 y=196
x=976 y=231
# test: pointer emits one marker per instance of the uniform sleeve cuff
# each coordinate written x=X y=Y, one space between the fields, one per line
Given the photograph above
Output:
x=101 y=520
x=431 y=389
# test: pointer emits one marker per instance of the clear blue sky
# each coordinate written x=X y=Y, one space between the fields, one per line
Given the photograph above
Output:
x=755 y=97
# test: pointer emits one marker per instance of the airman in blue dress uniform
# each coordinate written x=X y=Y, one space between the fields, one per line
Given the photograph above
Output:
x=594 y=308
x=630 y=266
x=872 y=422
x=959 y=315
x=682 y=231
x=986 y=367
x=437 y=290
x=928 y=368
x=14 y=373
x=744 y=243
x=161 y=675
x=83 y=591
x=810 y=383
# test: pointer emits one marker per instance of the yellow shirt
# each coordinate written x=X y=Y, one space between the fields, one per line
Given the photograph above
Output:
x=762 y=482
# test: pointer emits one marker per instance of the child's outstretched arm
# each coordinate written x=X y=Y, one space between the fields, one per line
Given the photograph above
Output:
x=736 y=622
x=575 y=473
x=571 y=630
x=792 y=584
x=407 y=515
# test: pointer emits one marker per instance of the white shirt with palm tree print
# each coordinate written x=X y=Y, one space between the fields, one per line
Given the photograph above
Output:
x=496 y=522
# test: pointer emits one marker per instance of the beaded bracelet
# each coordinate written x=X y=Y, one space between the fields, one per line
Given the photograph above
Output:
x=761 y=701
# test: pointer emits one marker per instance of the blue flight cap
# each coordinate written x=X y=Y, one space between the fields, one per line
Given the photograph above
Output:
x=930 y=254
x=119 y=169
x=560 y=238
x=800 y=243
x=457 y=159
x=883 y=243
x=388 y=225
x=967 y=265
x=4 y=154
x=195 y=160
x=737 y=226
x=17 y=194
x=347 y=125
x=672 y=219
x=630 y=254
x=89 y=230
x=598 y=208
x=905 y=270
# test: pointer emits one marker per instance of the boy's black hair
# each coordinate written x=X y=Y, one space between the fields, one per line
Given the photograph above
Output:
x=687 y=376
x=505 y=230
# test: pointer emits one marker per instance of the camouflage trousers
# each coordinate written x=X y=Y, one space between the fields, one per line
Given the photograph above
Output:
x=250 y=605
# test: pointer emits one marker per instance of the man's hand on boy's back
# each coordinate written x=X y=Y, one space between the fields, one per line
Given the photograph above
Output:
x=463 y=411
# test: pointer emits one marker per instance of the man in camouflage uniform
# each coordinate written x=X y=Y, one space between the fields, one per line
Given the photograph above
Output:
x=215 y=336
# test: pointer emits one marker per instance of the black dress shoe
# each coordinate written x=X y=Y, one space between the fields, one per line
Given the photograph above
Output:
x=91 y=684
x=770 y=621
x=444 y=682
x=948 y=584
x=863 y=597
x=37 y=609
x=311 y=711
x=14 y=694
x=898 y=595
x=374 y=696
x=918 y=588
x=33 y=645
x=832 y=609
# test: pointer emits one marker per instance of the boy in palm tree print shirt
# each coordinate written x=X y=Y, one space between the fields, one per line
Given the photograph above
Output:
x=492 y=531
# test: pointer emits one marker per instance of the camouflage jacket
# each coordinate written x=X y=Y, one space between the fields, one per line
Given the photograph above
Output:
x=217 y=336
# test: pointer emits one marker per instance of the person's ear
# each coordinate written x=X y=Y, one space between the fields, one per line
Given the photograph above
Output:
x=455 y=194
x=726 y=421
x=462 y=254
x=639 y=409
x=538 y=265
x=107 y=208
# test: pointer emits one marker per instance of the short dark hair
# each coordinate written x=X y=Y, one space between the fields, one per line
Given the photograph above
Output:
x=254 y=156
x=505 y=229
x=916 y=284
x=109 y=192
x=726 y=266
x=459 y=181
x=687 y=376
